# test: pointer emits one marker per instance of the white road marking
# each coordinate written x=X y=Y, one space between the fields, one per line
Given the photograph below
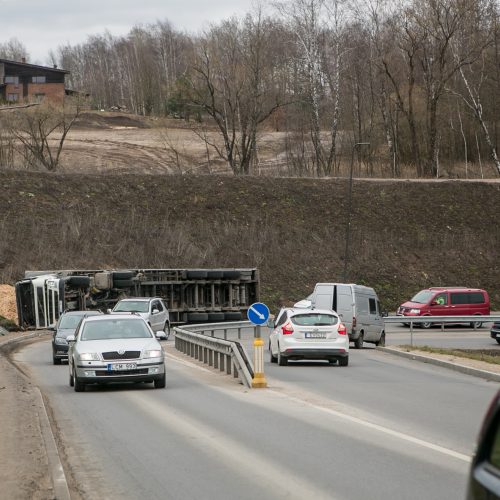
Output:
x=255 y=466
x=356 y=420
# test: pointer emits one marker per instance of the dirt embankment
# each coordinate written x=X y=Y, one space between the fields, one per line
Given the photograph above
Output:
x=404 y=235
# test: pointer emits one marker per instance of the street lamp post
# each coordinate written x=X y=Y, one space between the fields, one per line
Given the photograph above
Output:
x=349 y=210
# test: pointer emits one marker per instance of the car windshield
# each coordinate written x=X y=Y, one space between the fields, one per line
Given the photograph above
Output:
x=129 y=328
x=314 y=319
x=132 y=306
x=70 y=321
x=422 y=297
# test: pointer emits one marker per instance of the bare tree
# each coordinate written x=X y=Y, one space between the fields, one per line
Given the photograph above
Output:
x=232 y=82
x=34 y=130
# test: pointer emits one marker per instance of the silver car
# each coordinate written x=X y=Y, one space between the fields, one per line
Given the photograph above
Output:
x=152 y=309
x=114 y=348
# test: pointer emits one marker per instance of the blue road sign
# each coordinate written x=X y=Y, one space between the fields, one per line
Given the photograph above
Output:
x=258 y=313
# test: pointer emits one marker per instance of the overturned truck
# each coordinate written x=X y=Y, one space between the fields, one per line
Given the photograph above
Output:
x=192 y=295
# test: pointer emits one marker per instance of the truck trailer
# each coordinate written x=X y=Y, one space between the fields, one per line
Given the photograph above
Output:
x=192 y=295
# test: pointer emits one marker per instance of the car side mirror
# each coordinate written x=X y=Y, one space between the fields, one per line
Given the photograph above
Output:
x=51 y=328
x=70 y=338
x=434 y=303
x=109 y=311
x=155 y=311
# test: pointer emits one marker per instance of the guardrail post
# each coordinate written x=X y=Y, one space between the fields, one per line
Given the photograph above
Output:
x=222 y=360
x=216 y=359
x=210 y=357
x=259 y=380
x=228 y=364
x=411 y=333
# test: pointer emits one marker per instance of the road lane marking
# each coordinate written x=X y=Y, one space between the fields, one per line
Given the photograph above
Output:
x=356 y=420
x=381 y=428
x=253 y=465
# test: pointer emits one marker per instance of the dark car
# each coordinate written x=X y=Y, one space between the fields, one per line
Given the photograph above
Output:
x=66 y=325
x=484 y=477
x=495 y=331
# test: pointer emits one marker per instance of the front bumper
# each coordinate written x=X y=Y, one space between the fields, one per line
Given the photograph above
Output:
x=60 y=351
x=495 y=333
x=303 y=353
x=97 y=373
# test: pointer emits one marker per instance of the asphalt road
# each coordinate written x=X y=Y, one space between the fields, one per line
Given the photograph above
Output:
x=382 y=427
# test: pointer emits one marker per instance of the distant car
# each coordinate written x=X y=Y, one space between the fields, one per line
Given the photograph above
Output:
x=114 y=348
x=495 y=331
x=484 y=475
x=447 y=301
x=66 y=325
x=152 y=309
x=308 y=334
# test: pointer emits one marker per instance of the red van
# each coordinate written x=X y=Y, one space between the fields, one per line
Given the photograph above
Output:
x=447 y=301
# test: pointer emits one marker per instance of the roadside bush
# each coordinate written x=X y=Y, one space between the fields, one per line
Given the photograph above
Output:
x=9 y=325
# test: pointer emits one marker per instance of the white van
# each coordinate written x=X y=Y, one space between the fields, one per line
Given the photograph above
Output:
x=358 y=307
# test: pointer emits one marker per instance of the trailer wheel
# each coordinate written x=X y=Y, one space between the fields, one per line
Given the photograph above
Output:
x=215 y=275
x=197 y=317
x=196 y=275
x=216 y=316
x=232 y=275
x=232 y=316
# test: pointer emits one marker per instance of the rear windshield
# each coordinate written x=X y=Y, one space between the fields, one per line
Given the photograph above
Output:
x=132 y=306
x=314 y=319
x=423 y=297
x=69 y=321
x=115 y=329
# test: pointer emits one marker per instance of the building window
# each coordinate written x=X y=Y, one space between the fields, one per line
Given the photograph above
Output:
x=12 y=97
x=38 y=79
x=12 y=79
x=39 y=97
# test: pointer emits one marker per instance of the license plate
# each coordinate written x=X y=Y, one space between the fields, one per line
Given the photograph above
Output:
x=315 y=335
x=121 y=366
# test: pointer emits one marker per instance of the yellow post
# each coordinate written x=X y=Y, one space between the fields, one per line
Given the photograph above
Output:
x=259 y=380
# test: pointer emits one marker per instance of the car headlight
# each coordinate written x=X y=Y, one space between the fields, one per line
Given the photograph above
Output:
x=61 y=341
x=157 y=353
x=89 y=356
x=414 y=311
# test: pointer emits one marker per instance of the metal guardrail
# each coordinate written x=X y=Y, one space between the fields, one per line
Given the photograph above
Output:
x=441 y=320
x=226 y=355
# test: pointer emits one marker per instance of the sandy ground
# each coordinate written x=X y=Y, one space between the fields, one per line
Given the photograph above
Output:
x=23 y=459
x=8 y=307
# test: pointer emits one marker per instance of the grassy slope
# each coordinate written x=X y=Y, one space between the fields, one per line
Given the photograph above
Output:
x=405 y=235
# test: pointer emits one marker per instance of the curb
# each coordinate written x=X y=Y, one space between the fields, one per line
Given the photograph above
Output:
x=56 y=470
x=476 y=372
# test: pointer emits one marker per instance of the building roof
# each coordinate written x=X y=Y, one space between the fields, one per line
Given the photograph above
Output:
x=34 y=66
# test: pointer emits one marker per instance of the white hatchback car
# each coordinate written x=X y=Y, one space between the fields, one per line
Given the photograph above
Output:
x=308 y=334
x=114 y=348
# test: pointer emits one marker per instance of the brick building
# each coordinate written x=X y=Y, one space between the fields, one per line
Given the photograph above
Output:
x=23 y=83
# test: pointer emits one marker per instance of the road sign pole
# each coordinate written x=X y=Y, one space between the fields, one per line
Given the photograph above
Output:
x=259 y=379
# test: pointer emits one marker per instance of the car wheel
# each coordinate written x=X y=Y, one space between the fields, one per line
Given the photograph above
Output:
x=426 y=325
x=56 y=361
x=161 y=382
x=123 y=283
x=381 y=341
x=122 y=275
x=358 y=343
x=78 y=384
x=166 y=329
x=71 y=379
x=344 y=361
x=282 y=361
x=476 y=324
x=272 y=359
x=232 y=316
x=498 y=340
x=197 y=317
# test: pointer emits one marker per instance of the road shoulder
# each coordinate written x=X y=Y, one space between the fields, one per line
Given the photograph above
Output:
x=472 y=367
x=24 y=469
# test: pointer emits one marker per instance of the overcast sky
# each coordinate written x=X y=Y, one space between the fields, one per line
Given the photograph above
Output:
x=42 y=25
